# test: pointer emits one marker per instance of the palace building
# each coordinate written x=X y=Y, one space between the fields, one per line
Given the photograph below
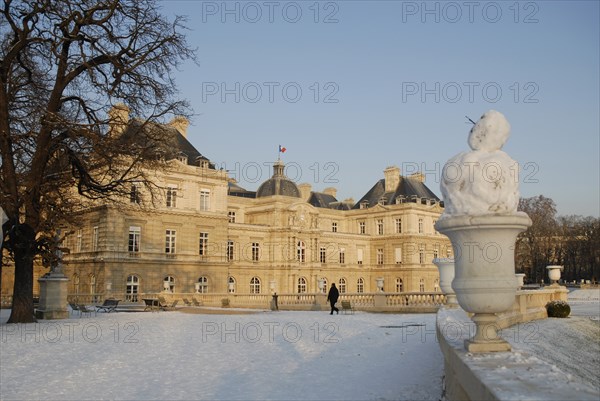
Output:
x=207 y=234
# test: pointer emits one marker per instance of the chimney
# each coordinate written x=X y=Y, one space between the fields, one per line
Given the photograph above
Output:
x=305 y=189
x=417 y=176
x=330 y=191
x=181 y=124
x=118 y=117
x=392 y=178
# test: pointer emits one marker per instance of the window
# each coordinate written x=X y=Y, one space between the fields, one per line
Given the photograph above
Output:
x=95 y=236
x=420 y=226
x=322 y=254
x=230 y=250
x=301 y=285
x=362 y=227
x=379 y=256
x=422 y=285
x=134 y=194
x=436 y=251
x=399 y=285
x=132 y=288
x=301 y=252
x=203 y=244
x=76 y=283
x=364 y=204
x=231 y=216
x=324 y=289
x=134 y=239
x=171 y=196
x=380 y=227
x=182 y=158
x=342 y=285
x=171 y=283
x=334 y=227
x=436 y=285
x=360 y=285
x=342 y=255
x=398 y=226
x=79 y=240
x=231 y=285
x=448 y=252
x=203 y=287
x=255 y=285
x=398 y=255
x=381 y=201
x=170 y=236
x=204 y=200
x=421 y=253
x=255 y=251
x=92 y=284
x=359 y=256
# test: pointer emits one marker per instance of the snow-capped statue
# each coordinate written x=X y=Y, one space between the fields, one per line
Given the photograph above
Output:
x=484 y=180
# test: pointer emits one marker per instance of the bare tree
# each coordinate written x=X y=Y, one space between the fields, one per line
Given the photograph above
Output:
x=535 y=248
x=64 y=65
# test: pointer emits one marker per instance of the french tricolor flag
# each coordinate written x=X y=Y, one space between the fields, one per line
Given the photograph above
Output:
x=282 y=149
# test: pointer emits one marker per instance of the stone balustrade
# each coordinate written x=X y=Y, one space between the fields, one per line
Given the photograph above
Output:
x=481 y=377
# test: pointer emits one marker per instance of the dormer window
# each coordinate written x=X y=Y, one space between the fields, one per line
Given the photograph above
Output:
x=182 y=157
x=202 y=162
x=364 y=204
x=400 y=199
x=414 y=198
x=381 y=201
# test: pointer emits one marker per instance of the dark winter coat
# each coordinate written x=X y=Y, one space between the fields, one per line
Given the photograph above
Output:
x=333 y=295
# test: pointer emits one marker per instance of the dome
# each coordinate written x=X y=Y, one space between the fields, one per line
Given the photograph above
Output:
x=278 y=184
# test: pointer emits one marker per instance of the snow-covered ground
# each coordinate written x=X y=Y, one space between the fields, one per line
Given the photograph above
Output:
x=267 y=355
x=571 y=344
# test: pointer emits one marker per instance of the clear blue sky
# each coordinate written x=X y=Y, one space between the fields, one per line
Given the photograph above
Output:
x=390 y=83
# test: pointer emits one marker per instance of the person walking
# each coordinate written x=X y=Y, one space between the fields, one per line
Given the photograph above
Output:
x=332 y=297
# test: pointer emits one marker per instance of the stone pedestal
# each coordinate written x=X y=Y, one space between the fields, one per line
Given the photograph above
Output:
x=320 y=301
x=53 y=297
x=484 y=282
x=379 y=300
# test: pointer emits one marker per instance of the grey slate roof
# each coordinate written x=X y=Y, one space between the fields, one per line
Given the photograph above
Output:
x=320 y=199
x=234 y=189
x=408 y=188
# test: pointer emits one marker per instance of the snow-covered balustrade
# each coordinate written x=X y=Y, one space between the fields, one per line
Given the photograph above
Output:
x=501 y=376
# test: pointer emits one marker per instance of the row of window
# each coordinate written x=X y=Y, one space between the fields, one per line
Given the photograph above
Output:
x=379 y=226
x=171 y=197
x=255 y=285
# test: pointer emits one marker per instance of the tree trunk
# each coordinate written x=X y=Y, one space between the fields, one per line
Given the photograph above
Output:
x=24 y=252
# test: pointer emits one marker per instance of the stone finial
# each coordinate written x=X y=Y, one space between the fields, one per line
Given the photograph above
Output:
x=330 y=191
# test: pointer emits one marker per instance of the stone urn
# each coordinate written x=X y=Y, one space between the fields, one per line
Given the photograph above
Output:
x=446 y=269
x=520 y=279
x=484 y=282
x=554 y=273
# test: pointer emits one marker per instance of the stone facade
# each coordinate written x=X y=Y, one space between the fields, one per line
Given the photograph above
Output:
x=207 y=234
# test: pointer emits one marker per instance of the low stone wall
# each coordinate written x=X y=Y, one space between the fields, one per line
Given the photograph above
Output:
x=503 y=375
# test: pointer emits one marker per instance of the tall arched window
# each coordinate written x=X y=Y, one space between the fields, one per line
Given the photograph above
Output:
x=171 y=281
x=132 y=288
x=203 y=287
x=301 y=251
x=342 y=285
x=231 y=285
x=422 y=285
x=325 y=288
x=301 y=285
x=255 y=285
x=360 y=285
x=92 y=283
x=76 y=283
x=399 y=285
